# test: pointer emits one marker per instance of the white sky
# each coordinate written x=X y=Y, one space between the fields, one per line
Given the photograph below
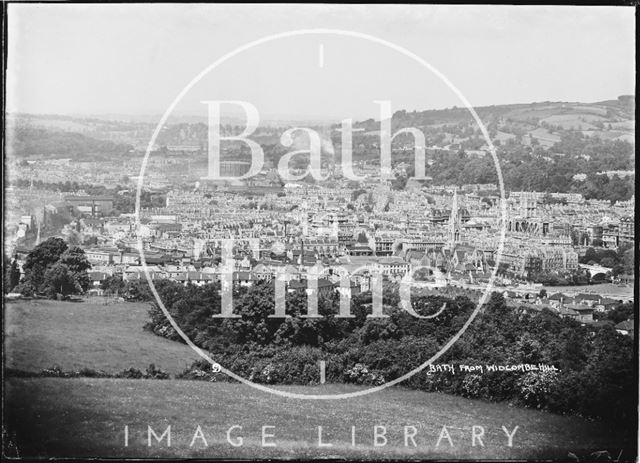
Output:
x=135 y=59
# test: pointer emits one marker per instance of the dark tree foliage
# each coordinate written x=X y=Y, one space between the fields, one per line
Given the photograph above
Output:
x=623 y=257
x=368 y=350
x=78 y=264
x=621 y=312
x=41 y=258
x=53 y=268
x=11 y=274
x=535 y=169
x=14 y=275
x=58 y=279
x=113 y=285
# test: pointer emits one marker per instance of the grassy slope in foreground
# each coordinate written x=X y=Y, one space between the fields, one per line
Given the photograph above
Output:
x=86 y=417
x=40 y=334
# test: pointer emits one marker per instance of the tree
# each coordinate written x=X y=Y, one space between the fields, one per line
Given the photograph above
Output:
x=138 y=290
x=621 y=312
x=14 y=275
x=11 y=275
x=608 y=262
x=41 y=258
x=73 y=237
x=113 y=284
x=590 y=255
x=497 y=306
x=58 y=279
x=78 y=264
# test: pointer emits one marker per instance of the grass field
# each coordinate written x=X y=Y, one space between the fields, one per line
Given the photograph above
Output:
x=40 y=334
x=78 y=417
x=86 y=417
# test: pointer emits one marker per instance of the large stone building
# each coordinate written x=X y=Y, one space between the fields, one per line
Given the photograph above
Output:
x=626 y=230
x=91 y=205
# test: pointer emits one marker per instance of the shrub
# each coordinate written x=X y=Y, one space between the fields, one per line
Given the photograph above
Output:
x=167 y=331
x=91 y=373
x=360 y=374
x=156 y=373
x=295 y=365
x=131 y=373
x=535 y=386
x=26 y=289
x=54 y=372
x=152 y=372
x=473 y=387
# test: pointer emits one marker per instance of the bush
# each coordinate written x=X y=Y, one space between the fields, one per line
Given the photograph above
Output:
x=152 y=372
x=473 y=386
x=155 y=373
x=26 y=289
x=55 y=372
x=296 y=365
x=91 y=373
x=359 y=374
x=167 y=331
x=535 y=387
x=131 y=373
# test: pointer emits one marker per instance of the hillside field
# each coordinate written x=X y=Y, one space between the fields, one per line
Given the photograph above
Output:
x=41 y=334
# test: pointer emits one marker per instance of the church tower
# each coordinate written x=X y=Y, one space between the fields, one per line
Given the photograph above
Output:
x=454 y=223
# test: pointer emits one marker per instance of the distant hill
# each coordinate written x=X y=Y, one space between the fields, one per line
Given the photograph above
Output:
x=25 y=141
x=532 y=114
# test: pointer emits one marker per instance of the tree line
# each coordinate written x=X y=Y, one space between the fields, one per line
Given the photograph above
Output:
x=595 y=378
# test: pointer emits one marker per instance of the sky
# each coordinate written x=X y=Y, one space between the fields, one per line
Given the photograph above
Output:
x=90 y=59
